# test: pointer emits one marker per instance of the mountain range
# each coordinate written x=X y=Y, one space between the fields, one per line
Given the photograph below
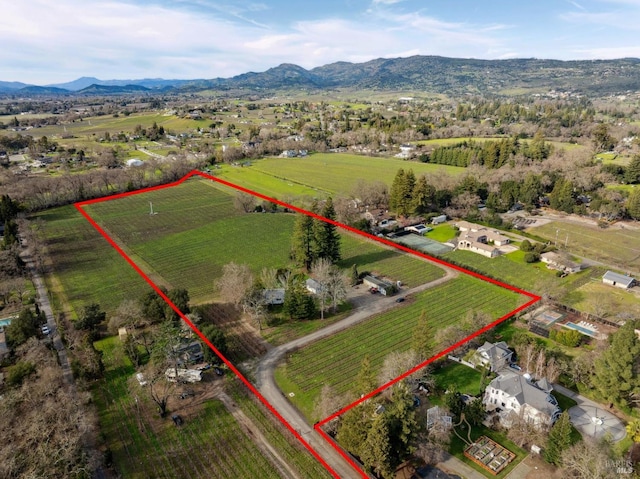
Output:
x=424 y=73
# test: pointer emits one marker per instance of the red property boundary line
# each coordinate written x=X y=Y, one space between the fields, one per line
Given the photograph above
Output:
x=318 y=426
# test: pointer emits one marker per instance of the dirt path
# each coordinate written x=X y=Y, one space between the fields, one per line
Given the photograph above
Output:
x=258 y=438
x=265 y=380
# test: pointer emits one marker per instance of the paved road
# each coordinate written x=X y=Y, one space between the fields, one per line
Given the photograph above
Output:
x=266 y=383
x=45 y=306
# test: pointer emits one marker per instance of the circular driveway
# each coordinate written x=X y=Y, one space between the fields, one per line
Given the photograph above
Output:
x=596 y=422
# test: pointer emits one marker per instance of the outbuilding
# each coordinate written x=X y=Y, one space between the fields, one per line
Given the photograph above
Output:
x=618 y=280
x=384 y=287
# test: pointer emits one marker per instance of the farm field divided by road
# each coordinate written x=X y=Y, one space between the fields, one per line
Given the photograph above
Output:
x=336 y=360
x=179 y=230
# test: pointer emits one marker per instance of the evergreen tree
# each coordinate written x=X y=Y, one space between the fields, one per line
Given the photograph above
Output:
x=326 y=236
x=376 y=452
x=298 y=304
x=560 y=439
x=366 y=381
x=615 y=372
x=22 y=328
x=422 y=340
x=180 y=298
x=355 y=276
x=303 y=249
x=423 y=196
x=633 y=204
x=561 y=198
x=90 y=317
x=632 y=173
x=401 y=195
x=402 y=423
x=216 y=336
x=354 y=427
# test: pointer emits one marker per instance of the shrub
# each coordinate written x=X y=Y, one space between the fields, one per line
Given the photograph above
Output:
x=19 y=372
x=531 y=257
x=526 y=245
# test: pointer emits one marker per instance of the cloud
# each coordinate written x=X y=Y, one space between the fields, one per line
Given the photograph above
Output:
x=619 y=20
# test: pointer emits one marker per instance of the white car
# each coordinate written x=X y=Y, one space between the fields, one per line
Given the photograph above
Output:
x=45 y=330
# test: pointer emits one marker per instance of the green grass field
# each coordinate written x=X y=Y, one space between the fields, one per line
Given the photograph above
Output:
x=512 y=269
x=278 y=188
x=195 y=232
x=100 y=124
x=86 y=267
x=338 y=173
x=458 y=377
x=209 y=444
x=336 y=360
x=384 y=261
x=620 y=247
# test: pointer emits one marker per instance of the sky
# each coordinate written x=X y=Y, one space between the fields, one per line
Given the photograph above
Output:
x=44 y=41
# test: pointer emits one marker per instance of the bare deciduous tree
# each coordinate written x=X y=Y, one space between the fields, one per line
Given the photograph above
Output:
x=588 y=459
x=397 y=363
x=235 y=282
x=244 y=202
x=328 y=403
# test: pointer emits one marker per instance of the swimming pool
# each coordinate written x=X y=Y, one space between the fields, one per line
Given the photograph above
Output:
x=585 y=331
x=5 y=322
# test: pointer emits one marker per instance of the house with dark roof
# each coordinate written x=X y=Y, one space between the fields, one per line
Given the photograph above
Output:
x=619 y=280
x=512 y=394
x=495 y=356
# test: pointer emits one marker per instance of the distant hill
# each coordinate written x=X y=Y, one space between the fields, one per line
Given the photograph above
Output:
x=42 y=90
x=432 y=74
x=12 y=85
x=112 y=89
x=84 y=82
x=451 y=75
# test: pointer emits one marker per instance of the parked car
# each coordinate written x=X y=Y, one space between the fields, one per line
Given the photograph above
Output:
x=515 y=366
x=399 y=300
x=45 y=330
x=218 y=371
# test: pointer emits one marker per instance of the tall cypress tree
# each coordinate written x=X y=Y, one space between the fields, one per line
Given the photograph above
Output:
x=303 y=249
x=615 y=372
x=559 y=439
x=326 y=235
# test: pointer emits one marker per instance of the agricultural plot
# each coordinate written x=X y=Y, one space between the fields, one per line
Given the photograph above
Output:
x=269 y=185
x=85 y=268
x=531 y=277
x=196 y=230
x=397 y=266
x=101 y=124
x=617 y=246
x=202 y=231
x=209 y=443
x=338 y=173
x=336 y=360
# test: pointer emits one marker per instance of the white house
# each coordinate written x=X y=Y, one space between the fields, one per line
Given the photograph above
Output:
x=313 y=286
x=559 y=262
x=419 y=229
x=495 y=356
x=438 y=219
x=619 y=280
x=512 y=394
x=477 y=243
